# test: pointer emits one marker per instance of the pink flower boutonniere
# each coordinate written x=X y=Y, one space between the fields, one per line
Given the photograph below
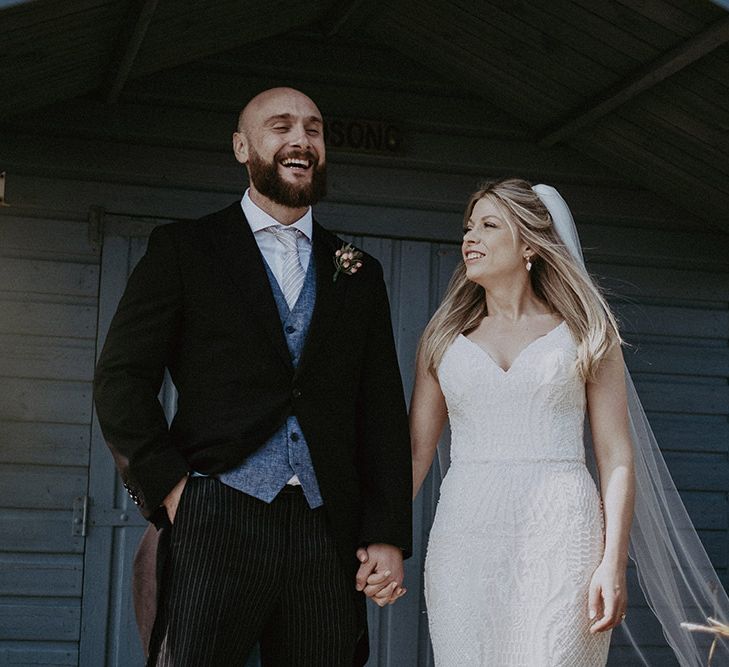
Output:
x=347 y=260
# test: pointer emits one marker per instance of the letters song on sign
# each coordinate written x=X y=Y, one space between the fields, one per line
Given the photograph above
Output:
x=369 y=136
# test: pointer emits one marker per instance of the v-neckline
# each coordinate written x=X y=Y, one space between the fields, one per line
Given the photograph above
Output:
x=519 y=355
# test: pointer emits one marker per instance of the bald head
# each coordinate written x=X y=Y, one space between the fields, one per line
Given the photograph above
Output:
x=280 y=140
x=276 y=102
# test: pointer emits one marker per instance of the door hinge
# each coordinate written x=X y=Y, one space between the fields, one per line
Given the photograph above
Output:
x=80 y=516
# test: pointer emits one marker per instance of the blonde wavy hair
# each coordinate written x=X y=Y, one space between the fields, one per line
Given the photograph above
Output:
x=556 y=277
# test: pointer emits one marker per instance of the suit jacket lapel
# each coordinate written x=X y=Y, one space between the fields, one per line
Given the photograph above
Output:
x=239 y=251
x=329 y=294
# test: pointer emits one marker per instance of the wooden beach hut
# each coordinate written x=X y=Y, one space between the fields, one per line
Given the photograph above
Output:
x=116 y=116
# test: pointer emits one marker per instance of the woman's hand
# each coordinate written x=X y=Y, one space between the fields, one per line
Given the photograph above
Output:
x=608 y=597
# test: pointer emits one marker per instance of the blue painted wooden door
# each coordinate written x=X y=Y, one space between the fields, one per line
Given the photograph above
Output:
x=114 y=526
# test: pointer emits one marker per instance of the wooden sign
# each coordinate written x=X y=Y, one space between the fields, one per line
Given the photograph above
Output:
x=363 y=136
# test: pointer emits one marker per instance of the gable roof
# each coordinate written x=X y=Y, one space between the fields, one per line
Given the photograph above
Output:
x=642 y=87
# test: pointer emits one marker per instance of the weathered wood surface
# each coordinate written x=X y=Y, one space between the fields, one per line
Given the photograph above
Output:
x=163 y=153
x=48 y=309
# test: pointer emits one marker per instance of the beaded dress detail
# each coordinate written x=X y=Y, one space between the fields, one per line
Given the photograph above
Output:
x=518 y=530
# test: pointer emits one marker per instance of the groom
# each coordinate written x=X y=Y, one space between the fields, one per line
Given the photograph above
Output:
x=289 y=448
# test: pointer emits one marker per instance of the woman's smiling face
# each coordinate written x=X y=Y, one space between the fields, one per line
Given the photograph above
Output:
x=491 y=246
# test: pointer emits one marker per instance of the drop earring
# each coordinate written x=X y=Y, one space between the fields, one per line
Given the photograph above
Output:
x=528 y=263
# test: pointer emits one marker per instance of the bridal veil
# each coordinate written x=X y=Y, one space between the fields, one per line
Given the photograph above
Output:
x=674 y=571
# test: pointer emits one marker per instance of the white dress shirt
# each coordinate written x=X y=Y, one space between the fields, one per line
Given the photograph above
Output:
x=270 y=247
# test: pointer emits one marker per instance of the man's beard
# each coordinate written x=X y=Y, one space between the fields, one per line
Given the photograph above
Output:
x=266 y=179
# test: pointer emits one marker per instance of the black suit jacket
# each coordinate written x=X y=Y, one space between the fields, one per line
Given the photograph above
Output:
x=199 y=303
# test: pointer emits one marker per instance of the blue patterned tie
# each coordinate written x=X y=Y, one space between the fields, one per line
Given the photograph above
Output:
x=293 y=275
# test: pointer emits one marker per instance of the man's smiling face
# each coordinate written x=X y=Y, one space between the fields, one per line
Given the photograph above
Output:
x=281 y=141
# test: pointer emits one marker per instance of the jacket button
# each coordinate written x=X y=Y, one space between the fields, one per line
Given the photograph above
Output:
x=290 y=329
x=295 y=437
x=296 y=392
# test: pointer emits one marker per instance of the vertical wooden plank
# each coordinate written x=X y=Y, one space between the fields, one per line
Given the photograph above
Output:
x=103 y=483
x=399 y=623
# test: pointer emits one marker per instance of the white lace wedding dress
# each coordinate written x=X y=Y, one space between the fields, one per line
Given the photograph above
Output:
x=518 y=531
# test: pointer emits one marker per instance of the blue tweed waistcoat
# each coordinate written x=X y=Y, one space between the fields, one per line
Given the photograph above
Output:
x=265 y=472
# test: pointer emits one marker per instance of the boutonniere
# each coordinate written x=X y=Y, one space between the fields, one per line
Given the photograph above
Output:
x=347 y=260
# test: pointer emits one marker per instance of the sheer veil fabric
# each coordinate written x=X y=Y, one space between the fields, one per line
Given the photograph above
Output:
x=674 y=571
x=673 y=568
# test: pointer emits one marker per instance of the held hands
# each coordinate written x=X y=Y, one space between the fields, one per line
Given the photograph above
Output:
x=381 y=573
x=608 y=597
x=172 y=499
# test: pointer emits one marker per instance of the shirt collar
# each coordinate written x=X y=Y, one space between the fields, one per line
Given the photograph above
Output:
x=258 y=219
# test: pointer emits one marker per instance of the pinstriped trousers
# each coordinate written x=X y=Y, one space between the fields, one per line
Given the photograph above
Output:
x=239 y=570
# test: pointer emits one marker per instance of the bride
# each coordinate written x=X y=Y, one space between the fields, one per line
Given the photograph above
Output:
x=526 y=564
